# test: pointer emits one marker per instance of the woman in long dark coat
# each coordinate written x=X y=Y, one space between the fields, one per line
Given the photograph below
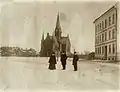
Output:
x=52 y=62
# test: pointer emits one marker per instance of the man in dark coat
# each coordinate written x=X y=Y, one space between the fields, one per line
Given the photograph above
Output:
x=75 y=59
x=52 y=62
x=63 y=60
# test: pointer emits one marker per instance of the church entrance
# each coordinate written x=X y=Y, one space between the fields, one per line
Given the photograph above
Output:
x=48 y=53
x=64 y=47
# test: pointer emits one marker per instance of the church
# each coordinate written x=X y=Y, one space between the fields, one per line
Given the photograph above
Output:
x=55 y=42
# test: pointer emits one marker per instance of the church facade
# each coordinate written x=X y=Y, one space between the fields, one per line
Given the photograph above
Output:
x=55 y=42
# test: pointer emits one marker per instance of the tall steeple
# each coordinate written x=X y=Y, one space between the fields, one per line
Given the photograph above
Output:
x=58 y=22
x=58 y=27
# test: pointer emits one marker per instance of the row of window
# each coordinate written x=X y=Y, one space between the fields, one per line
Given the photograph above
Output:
x=103 y=36
x=103 y=49
x=103 y=24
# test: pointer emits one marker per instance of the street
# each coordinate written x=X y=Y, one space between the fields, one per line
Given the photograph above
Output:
x=32 y=74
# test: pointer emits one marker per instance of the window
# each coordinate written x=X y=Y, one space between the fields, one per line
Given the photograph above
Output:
x=109 y=20
x=113 y=34
x=102 y=25
x=98 y=39
x=113 y=49
x=109 y=48
x=105 y=36
x=97 y=50
x=102 y=37
x=102 y=50
x=113 y=19
x=105 y=23
x=109 y=35
x=96 y=29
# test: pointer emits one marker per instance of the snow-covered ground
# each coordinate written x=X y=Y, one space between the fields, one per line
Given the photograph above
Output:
x=32 y=75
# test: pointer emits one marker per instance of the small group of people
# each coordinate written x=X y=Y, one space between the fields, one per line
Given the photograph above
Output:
x=53 y=62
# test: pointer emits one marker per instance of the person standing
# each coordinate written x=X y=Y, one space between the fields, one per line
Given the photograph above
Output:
x=63 y=60
x=52 y=62
x=75 y=59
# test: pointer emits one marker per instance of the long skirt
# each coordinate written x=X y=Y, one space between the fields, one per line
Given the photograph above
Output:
x=52 y=66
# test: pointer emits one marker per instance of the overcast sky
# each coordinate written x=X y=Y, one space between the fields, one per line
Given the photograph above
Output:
x=22 y=24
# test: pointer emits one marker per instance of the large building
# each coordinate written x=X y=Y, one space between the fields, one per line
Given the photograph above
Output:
x=107 y=37
x=56 y=43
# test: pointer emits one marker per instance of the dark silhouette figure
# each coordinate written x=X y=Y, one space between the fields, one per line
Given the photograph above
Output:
x=52 y=62
x=63 y=60
x=75 y=59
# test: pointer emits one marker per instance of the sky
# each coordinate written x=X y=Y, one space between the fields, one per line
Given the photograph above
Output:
x=22 y=23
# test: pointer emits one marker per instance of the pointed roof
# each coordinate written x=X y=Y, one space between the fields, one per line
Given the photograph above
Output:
x=58 y=22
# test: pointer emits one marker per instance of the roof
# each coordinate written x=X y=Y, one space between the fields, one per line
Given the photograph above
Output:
x=104 y=13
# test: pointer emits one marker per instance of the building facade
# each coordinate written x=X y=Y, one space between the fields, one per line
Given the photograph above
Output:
x=55 y=43
x=106 y=35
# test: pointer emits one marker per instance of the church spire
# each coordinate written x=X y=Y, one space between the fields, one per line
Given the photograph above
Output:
x=58 y=22
x=43 y=36
x=58 y=27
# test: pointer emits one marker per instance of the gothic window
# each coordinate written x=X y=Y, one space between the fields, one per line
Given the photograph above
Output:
x=64 y=47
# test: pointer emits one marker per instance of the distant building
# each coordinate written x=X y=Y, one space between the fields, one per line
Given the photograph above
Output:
x=56 y=42
x=107 y=37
